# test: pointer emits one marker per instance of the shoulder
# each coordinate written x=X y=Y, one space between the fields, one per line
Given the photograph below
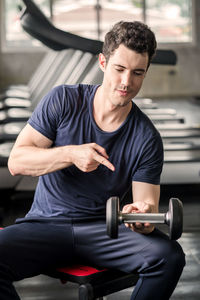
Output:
x=78 y=89
x=71 y=90
x=63 y=97
x=144 y=125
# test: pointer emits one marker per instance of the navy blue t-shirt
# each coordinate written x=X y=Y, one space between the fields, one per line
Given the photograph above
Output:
x=65 y=116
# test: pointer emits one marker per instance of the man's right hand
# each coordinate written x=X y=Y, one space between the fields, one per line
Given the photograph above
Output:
x=88 y=157
x=33 y=155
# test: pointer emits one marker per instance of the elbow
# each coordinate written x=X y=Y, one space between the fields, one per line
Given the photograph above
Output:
x=12 y=168
x=19 y=169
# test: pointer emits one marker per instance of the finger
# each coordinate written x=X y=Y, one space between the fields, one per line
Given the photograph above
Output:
x=138 y=225
x=144 y=229
x=102 y=160
x=101 y=150
x=132 y=227
x=129 y=225
x=126 y=209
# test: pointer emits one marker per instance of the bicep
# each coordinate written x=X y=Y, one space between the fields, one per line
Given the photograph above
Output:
x=146 y=192
x=31 y=137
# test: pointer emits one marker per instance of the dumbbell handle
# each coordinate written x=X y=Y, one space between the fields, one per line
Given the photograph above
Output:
x=144 y=218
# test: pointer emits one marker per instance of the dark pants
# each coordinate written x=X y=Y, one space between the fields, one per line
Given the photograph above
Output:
x=31 y=248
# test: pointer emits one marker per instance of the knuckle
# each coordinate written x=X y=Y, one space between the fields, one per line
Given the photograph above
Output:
x=93 y=144
x=85 y=169
x=103 y=161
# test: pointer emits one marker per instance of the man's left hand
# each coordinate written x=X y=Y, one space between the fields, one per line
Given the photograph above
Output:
x=139 y=207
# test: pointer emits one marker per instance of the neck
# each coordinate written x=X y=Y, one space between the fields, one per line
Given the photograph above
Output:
x=107 y=116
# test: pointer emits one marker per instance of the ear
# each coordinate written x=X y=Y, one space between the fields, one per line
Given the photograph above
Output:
x=102 y=62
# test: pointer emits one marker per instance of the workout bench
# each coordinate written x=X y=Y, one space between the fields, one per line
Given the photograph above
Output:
x=95 y=283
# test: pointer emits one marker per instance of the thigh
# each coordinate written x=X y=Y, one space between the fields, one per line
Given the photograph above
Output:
x=130 y=252
x=31 y=248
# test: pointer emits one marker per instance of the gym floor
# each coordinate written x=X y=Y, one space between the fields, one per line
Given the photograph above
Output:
x=46 y=288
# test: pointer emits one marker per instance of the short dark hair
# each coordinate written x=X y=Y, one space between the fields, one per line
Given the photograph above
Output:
x=135 y=35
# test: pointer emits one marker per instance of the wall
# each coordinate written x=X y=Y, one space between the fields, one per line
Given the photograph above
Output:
x=182 y=80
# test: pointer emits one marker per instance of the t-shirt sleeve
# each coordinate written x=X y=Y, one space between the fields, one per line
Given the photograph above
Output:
x=48 y=113
x=151 y=161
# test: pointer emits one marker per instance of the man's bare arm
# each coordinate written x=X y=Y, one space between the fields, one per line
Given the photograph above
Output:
x=148 y=193
x=145 y=200
x=33 y=155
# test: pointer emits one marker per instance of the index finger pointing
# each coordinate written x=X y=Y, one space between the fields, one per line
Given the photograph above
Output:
x=103 y=161
x=100 y=150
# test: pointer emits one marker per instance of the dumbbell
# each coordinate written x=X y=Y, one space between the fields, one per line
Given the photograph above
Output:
x=173 y=218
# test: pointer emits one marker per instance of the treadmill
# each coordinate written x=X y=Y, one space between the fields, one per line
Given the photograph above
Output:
x=36 y=24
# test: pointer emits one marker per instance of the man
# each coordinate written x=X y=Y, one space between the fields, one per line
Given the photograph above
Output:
x=87 y=143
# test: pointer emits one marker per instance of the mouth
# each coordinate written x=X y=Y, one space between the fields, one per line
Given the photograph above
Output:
x=123 y=93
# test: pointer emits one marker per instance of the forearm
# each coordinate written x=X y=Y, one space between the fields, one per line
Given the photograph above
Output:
x=147 y=193
x=145 y=200
x=35 y=161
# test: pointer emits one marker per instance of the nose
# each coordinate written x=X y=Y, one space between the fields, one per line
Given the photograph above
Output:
x=125 y=79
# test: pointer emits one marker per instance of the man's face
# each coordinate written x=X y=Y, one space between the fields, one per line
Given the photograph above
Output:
x=123 y=75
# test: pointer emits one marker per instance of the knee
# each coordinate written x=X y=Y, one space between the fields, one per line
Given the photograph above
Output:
x=167 y=254
x=176 y=256
x=6 y=245
x=172 y=256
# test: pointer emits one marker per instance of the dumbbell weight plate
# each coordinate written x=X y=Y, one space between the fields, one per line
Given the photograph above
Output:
x=176 y=216
x=112 y=212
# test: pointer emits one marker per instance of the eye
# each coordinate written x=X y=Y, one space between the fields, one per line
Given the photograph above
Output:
x=119 y=69
x=138 y=73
